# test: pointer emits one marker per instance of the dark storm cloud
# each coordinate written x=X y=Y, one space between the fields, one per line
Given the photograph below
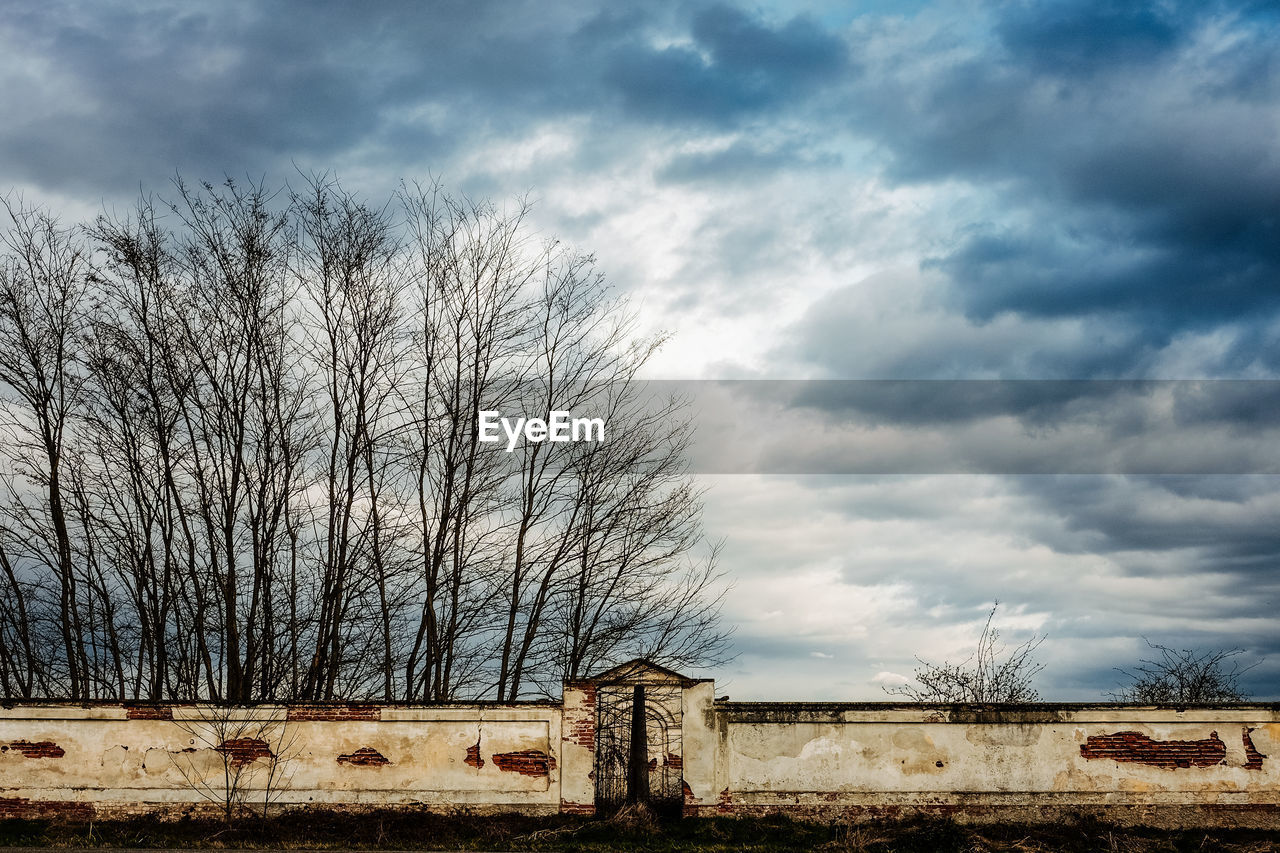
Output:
x=945 y=402
x=131 y=93
x=1081 y=37
x=1229 y=522
x=1245 y=405
x=147 y=91
x=1129 y=150
x=842 y=333
x=736 y=66
x=1170 y=283
x=982 y=426
x=1120 y=163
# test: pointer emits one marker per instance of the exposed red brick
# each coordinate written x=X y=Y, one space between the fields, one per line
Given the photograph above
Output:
x=653 y=764
x=335 y=712
x=473 y=756
x=39 y=749
x=148 y=712
x=24 y=809
x=568 y=807
x=580 y=719
x=1170 y=754
x=365 y=756
x=526 y=762
x=724 y=805
x=1251 y=753
x=582 y=733
x=690 y=802
x=244 y=750
x=673 y=761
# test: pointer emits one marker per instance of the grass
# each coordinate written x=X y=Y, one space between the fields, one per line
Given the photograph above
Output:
x=421 y=830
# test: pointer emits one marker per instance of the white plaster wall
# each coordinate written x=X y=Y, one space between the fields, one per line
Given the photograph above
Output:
x=108 y=758
x=737 y=757
x=862 y=756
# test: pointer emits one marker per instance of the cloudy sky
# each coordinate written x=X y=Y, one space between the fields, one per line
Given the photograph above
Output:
x=823 y=190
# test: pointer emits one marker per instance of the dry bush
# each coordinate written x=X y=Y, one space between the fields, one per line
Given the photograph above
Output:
x=993 y=673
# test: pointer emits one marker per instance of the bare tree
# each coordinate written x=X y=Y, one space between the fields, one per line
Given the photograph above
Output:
x=349 y=265
x=236 y=754
x=1185 y=676
x=129 y=433
x=245 y=421
x=609 y=523
x=242 y=459
x=580 y=352
x=633 y=587
x=42 y=309
x=994 y=673
x=470 y=328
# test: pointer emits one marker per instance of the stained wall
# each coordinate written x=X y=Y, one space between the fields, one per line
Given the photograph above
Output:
x=1196 y=766
x=1189 y=767
x=59 y=758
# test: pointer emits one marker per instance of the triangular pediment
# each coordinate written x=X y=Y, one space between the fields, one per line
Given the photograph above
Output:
x=641 y=671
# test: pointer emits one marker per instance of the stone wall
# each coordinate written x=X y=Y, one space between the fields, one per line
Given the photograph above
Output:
x=101 y=759
x=1192 y=767
x=1043 y=762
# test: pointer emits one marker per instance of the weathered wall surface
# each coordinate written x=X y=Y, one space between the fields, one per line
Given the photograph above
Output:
x=578 y=748
x=57 y=759
x=1195 y=767
x=1130 y=764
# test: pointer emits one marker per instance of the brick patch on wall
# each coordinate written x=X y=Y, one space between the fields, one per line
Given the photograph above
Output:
x=39 y=749
x=148 y=712
x=365 y=756
x=582 y=729
x=1169 y=754
x=244 y=750
x=526 y=762
x=1254 y=758
x=689 y=806
x=22 y=808
x=473 y=756
x=334 y=712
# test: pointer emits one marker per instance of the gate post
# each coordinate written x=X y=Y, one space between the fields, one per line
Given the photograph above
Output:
x=578 y=748
x=638 y=754
x=701 y=747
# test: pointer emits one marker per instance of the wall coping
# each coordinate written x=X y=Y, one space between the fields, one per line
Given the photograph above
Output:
x=7 y=704
x=1014 y=714
x=732 y=706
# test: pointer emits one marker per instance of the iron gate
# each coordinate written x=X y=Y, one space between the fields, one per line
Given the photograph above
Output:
x=660 y=757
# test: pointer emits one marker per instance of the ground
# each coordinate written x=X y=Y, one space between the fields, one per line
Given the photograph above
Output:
x=403 y=830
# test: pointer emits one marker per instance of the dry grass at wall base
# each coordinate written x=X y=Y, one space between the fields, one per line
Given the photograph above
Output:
x=410 y=829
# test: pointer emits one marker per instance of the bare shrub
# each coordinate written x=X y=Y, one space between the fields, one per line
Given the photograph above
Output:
x=239 y=757
x=993 y=673
x=1185 y=676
